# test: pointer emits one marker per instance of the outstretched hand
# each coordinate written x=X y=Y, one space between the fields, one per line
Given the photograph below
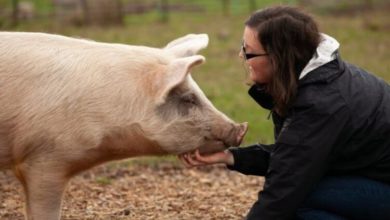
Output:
x=194 y=159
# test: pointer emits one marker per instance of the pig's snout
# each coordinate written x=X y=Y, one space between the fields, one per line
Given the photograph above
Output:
x=243 y=128
x=229 y=136
x=234 y=135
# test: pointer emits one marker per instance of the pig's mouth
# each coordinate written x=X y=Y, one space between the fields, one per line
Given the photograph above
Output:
x=223 y=143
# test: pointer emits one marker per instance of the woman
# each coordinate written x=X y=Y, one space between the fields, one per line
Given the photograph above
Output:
x=331 y=157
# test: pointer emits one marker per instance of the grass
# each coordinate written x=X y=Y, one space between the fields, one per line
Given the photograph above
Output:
x=364 y=41
x=103 y=180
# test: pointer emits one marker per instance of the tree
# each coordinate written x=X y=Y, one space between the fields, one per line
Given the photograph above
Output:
x=226 y=7
x=95 y=12
x=103 y=12
x=15 y=12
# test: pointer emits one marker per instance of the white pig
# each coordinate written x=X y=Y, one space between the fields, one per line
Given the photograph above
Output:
x=69 y=104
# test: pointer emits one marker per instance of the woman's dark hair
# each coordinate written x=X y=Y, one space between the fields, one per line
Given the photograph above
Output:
x=290 y=37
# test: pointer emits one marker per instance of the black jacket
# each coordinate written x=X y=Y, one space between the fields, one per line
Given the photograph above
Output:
x=338 y=125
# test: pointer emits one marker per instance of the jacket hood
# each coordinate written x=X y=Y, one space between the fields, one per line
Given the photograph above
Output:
x=325 y=53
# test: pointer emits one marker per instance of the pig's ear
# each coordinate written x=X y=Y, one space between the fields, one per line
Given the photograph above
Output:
x=188 y=45
x=176 y=74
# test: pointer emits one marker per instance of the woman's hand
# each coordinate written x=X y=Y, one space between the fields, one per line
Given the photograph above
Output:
x=194 y=159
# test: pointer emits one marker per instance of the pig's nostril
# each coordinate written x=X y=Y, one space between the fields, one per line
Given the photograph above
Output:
x=241 y=134
x=244 y=127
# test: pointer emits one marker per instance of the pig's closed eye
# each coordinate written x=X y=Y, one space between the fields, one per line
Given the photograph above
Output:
x=190 y=99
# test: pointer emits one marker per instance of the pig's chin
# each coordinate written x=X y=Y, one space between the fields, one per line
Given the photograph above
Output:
x=213 y=147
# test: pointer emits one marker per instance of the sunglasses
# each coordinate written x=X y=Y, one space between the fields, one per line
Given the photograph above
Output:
x=248 y=56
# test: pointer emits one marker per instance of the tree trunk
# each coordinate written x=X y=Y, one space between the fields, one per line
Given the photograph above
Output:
x=15 y=12
x=102 y=12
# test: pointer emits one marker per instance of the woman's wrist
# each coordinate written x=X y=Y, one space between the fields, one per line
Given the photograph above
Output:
x=229 y=158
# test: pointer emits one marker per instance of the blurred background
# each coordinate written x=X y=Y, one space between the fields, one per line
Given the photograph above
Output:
x=361 y=26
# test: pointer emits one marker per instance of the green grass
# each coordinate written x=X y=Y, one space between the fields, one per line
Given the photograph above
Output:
x=364 y=41
x=102 y=180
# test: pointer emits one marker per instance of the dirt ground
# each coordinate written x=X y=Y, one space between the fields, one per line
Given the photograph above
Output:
x=164 y=190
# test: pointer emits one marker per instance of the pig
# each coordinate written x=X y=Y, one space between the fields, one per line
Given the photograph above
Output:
x=70 y=104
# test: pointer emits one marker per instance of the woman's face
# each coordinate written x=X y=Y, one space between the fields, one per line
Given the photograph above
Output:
x=259 y=66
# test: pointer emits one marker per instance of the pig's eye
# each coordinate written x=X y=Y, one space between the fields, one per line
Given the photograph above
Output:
x=190 y=99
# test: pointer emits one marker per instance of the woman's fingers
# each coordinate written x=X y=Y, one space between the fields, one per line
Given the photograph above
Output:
x=210 y=159
x=194 y=159
x=189 y=161
x=204 y=159
x=191 y=158
x=184 y=160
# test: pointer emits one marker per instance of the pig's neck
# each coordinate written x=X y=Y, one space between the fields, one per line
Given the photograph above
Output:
x=129 y=142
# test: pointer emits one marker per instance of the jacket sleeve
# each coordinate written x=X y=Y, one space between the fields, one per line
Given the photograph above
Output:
x=300 y=158
x=251 y=160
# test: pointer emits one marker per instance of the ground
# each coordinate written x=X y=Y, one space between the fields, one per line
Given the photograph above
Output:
x=164 y=190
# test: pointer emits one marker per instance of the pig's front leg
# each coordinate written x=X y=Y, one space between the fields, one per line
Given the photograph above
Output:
x=44 y=184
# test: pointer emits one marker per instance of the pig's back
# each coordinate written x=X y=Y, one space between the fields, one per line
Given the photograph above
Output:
x=56 y=65
x=37 y=59
x=45 y=69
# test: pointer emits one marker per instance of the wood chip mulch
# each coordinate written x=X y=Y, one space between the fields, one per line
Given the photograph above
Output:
x=144 y=191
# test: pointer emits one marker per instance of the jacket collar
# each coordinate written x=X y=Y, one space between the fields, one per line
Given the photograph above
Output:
x=325 y=73
x=258 y=93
